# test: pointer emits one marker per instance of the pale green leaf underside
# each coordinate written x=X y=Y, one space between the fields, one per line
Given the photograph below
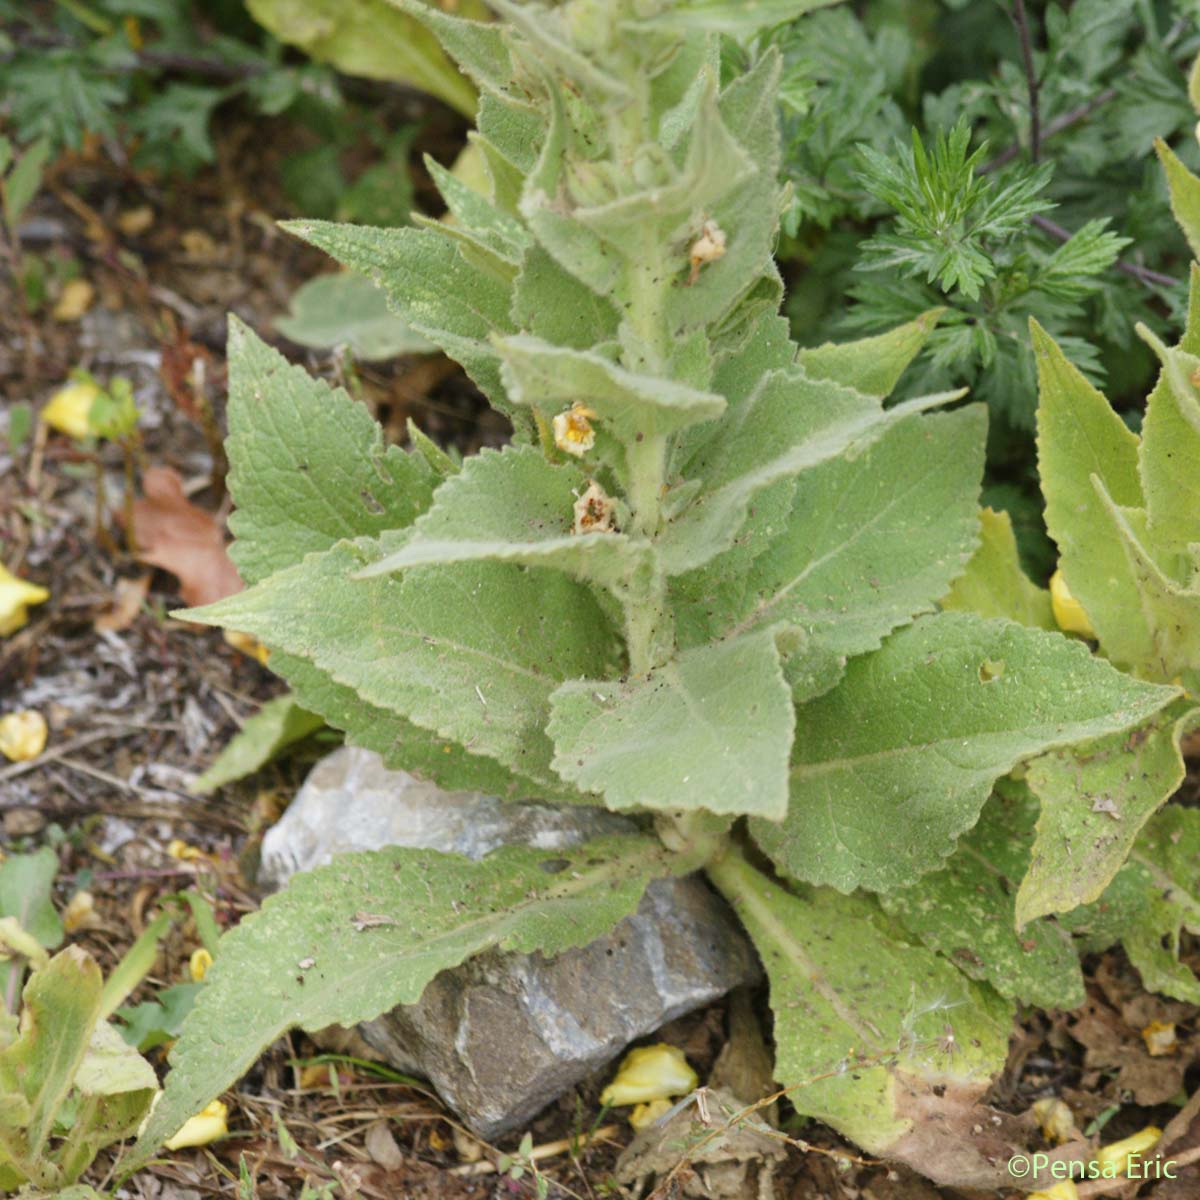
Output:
x=345 y=942
x=846 y=986
x=469 y=652
x=994 y=584
x=954 y=702
x=832 y=568
x=552 y=378
x=514 y=505
x=710 y=729
x=790 y=424
x=1095 y=800
x=308 y=465
x=966 y=912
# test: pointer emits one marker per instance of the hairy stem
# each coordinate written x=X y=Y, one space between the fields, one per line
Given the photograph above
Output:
x=1020 y=19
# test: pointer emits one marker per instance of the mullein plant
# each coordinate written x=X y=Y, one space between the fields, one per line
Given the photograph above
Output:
x=714 y=583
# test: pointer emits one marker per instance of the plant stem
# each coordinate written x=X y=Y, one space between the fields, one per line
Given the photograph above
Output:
x=1141 y=274
x=1020 y=19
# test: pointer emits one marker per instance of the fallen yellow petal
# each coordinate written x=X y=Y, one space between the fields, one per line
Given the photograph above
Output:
x=201 y=1129
x=1068 y=612
x=650 y=1073
x=1119 y=1154
x=15 y=597
x=22 y=735
x=70 y=408
x=247 y=643
x=178 y=848
x=1056 y=1120
x=647 y=1114
x=198 y=964
x=79 y=911
x=75 y=299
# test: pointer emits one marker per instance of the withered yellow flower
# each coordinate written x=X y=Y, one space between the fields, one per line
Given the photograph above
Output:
x=198 y=964
x=22 y=735
x=15 y=598
x=70 y=409
x=206 y=1126
x=1117 y=1156
x=647 y=1114
x=1056 y=1120
x=1068 y=612
x=573 y=432
x=650 y=1073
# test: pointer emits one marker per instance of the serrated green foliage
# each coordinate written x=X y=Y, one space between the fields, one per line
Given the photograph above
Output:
x=855 y=1001
x=347 y=941
x=1120 y=508
x=469 y=652
x=956 y=702
x=710 y=730
x=1151 y=901
x=994 y=583
x=1095 y=799
x=966 y=912
x=308 y=464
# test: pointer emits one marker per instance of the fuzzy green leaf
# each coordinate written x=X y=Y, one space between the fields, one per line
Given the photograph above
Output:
x=551 y=378
x=278 y=724
x=1095 y=800
x=549 y=304
x=350 y=940
x=1185 y=194
x=710 y=729
x=1079 y=436
x=308 y=466
x=870 y=365
x=367 y=37
x=955 y=702
x=344 y=309
x=994 y=583
x=469 y=652
x=832 y=569
x=737 y=18
x=432 y=286
x=788 y=425
x=515 y=506
x=966 y=912
x=892 y=1025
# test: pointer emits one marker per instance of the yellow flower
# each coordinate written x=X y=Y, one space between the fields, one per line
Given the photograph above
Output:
x=1068 y=612
x=573 y=430
x=647 y=1114
x=22 y=735
x=650 y=1073
x=1060 y=1191
x=1119 y=1154
x=198 y=964
x=70 y=408
x=15 y=597
x=201 y=1129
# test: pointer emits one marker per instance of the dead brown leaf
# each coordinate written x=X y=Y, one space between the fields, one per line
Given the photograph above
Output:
x=173 y=533
x=128 y=598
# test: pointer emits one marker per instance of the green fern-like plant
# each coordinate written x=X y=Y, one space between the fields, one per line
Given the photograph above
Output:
x=701 y=587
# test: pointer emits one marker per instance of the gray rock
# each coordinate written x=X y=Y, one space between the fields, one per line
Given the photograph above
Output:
x=503 y=1035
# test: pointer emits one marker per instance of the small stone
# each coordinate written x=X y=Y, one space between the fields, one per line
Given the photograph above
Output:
x=503 y=1035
